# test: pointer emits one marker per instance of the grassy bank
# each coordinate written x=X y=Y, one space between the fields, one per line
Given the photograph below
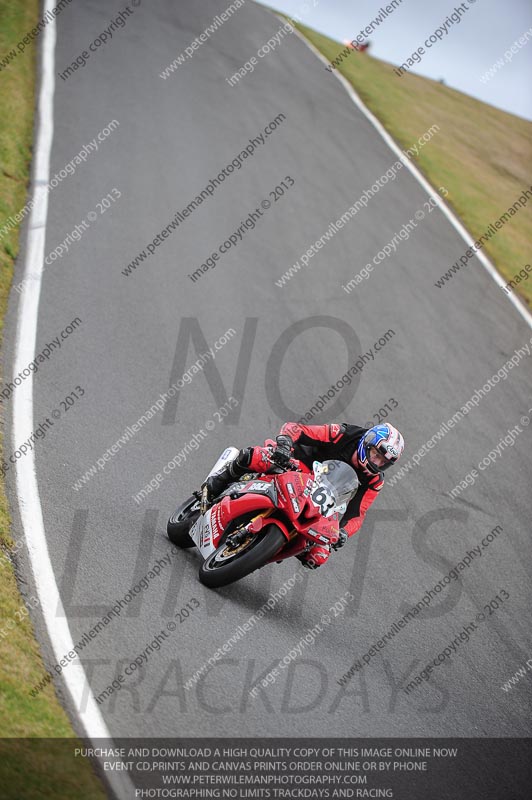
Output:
x=27 y=770
x=481 y=155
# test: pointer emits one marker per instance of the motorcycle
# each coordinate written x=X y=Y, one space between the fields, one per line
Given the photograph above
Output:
x=263 y=517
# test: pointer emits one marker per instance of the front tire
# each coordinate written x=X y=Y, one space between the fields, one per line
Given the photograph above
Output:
x=222 y=568
x=181 y=522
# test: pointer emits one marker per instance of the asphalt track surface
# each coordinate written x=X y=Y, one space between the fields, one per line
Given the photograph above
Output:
x=174 y=135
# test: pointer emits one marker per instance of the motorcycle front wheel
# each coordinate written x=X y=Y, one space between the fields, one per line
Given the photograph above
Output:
x=181 y=522
x=227 y=564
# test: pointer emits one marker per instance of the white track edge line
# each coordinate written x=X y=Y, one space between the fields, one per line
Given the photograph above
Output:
x=453 y=219
x=29 y=502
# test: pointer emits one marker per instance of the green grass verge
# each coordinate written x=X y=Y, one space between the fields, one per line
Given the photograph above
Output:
x=35 y=771
x=482 y=155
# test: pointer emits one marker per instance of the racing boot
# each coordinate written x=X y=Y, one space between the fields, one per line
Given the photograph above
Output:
x=316 y=556
x=217 y=483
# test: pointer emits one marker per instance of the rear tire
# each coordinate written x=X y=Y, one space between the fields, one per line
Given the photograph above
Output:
x=215 y=572
x=181 y=522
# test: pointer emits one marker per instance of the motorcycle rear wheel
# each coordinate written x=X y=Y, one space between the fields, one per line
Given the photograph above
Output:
x=222 y=568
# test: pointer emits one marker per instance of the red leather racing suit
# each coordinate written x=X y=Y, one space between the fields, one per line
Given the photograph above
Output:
x=337 y=441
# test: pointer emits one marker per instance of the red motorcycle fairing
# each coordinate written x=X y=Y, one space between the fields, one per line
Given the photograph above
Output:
x=300 y=518
x=297 y=501
x=229 y=509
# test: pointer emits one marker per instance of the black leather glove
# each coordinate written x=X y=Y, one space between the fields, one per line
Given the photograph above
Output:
x=283 y=451
x=342 y=539
x=215 y=484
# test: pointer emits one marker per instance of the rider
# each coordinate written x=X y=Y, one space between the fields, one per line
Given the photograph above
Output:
x=370 y=451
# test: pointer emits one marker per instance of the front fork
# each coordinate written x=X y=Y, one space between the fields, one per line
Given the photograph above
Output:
x=253 y=526
x=294 y=546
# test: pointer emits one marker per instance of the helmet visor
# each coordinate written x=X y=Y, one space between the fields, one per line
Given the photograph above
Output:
x=380 y=458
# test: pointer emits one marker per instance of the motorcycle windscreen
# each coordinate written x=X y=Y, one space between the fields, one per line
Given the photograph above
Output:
x=340 y=479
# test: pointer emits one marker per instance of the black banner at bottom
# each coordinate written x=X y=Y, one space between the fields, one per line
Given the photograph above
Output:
x=306 y=769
